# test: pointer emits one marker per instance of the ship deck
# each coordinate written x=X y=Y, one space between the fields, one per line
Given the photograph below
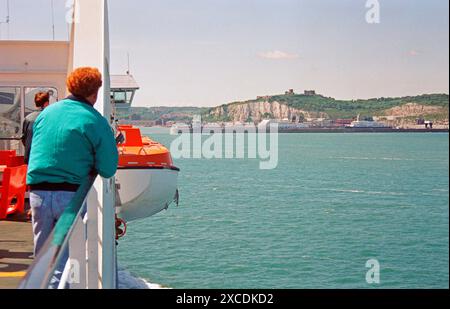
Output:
x=16 y=250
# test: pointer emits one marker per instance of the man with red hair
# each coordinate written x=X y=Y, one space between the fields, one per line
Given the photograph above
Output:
x=70 y=140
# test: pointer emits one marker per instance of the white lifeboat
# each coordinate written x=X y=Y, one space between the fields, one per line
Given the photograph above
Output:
x=146 y=177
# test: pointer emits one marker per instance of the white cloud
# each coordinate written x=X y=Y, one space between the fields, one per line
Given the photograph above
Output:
x=277 y=55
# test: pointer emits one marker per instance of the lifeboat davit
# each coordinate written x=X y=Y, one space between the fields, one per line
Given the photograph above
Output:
x=146 y=177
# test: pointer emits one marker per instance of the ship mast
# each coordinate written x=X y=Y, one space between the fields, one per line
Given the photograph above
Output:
x=53 y=19
x=6 y=21
x=128 y=59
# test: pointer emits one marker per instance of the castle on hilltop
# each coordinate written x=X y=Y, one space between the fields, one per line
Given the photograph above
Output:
x=290 y=92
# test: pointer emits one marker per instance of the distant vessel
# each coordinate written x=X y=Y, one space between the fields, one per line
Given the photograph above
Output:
x=179 y=128
x=282 y=125
x=366 y=124
x=212 y=127
x=238 y=126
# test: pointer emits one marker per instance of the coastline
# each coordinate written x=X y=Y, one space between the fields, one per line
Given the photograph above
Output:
x=342 y=130
x=363 y=130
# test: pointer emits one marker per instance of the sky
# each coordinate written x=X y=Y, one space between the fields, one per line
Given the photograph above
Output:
x=212 y=52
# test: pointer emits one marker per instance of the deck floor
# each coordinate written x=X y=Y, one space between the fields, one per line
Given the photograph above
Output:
x=16 y=250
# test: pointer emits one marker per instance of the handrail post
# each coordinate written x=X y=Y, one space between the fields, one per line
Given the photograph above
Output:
x=101 y=247
x=93 y=241
x=106 y=239
x=78 y=256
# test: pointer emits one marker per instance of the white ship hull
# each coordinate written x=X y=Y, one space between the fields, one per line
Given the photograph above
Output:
x=177 y=129
x=145 y=192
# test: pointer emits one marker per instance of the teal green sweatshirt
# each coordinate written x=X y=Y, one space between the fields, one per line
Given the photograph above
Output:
x=71 y=139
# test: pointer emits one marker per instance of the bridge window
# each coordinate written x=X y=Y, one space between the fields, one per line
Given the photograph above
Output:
x=123 y=97
x=10 y=112
x=30 y=93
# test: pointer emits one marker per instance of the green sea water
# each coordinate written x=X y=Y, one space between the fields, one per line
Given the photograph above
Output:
x=334 y=202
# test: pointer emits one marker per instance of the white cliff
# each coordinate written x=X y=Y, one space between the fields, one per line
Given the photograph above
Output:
x=259 y=110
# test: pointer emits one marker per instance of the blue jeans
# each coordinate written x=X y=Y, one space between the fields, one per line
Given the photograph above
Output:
x=47 y=207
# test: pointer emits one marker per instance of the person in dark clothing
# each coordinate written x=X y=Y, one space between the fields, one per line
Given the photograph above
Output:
x=42 y=100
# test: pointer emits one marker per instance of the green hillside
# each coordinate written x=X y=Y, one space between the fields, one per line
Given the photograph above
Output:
x=350 y=108
x=161 y=112
x=317 y=103
x=342 y=109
